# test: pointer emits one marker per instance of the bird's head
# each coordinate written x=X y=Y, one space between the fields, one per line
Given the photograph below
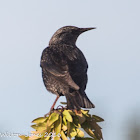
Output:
x=67 y=35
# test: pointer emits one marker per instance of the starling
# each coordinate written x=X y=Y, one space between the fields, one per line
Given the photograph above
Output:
x=64 y=68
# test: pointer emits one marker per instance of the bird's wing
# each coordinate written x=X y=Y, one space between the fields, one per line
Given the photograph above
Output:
x=56 y=65
x=78 y=67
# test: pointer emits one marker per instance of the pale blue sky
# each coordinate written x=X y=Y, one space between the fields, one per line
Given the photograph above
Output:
x=112 y=52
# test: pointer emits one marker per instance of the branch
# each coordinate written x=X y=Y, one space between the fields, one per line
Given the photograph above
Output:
x=64 y=124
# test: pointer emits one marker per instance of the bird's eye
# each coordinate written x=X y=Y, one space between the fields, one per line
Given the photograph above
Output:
x=74 y=32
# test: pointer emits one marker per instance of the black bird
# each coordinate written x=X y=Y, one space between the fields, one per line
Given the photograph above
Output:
x=64 y=68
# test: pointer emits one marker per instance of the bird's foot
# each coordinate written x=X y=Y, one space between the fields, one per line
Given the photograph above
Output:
x=60 y=107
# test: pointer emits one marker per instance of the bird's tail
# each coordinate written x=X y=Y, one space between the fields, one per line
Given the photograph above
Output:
x=77 y=100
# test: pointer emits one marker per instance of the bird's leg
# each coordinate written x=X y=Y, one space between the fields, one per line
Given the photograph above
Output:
x=52 y=108
x=54 y=103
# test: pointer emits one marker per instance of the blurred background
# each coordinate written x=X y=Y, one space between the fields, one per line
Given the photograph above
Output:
x=112 y=52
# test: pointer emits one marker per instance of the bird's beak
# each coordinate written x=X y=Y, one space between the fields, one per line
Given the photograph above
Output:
x=86 y=29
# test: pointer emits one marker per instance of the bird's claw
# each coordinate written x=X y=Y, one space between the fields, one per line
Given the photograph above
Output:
x=60 y=107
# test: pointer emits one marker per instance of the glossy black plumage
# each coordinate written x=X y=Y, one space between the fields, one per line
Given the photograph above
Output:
x=64 y=67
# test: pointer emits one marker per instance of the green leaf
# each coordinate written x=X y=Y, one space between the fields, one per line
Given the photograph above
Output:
x=39 y=127
x=80 y=133
x=71 y=130
x=48 y=127
x=97 y=118
x=67 y=115
x=68 y=131
x=97 y=129
x=53 y=117
x=98 y=135
x=57 y=128
x=34 y=126
x=87 y=127
x=81 y=117
x=76 y=122
x=57 y=125
x=93 y=124
x=39 y=120
x=90 y=132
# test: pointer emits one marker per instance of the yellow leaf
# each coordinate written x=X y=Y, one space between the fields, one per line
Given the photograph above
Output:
x=57 y=125
x=53 y=117
x=64 y=127
x=24 y=137
x=67 y=115
x=85 y=112
x=73 y=133
x=64 y=120
x=80 y=133
x=57 y=128
x=39 y=127
x=47 y=138
x=33 y=137
x=71 y=130
x=63 y=135
x=48 y=127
